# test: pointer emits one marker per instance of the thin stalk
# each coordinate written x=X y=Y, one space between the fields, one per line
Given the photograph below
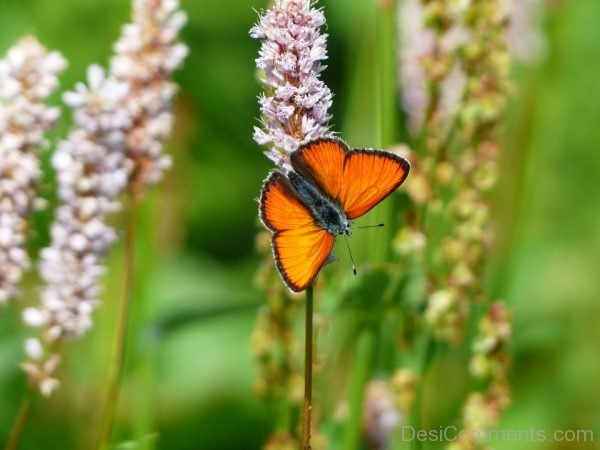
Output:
x=19 y=425
x=363 y=361
x=386 y=68
x=385 y=96
x=112 y=398
x=141 y=355
x=308 y=366
x=417 y=414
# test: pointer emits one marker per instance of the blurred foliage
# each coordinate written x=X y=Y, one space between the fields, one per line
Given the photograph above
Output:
x=190 y=371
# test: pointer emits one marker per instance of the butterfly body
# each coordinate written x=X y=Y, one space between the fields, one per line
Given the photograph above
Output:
x=329 y=186
x=326 y=212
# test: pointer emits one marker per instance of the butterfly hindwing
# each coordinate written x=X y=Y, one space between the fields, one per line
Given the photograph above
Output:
x=357 y=179
x=299 y=255
x=299 y=245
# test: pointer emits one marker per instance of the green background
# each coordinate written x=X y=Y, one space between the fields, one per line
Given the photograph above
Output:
x=190 y=369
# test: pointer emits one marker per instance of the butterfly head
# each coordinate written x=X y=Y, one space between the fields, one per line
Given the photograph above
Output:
x=347 y=229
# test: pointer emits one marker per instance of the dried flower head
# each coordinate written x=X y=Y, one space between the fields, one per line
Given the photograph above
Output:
x=416 y=41
x=280 y=440
x=481 y=411
x=409 y=241
x=380 y=415
x=40 y=368
x=431 y=81
x=296 y=102
x=404 y=383
x=526 y=41
x=28 y=75
x=446 y=313
x=489 y=347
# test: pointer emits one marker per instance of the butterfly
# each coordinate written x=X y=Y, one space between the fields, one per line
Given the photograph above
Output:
x=328 y=187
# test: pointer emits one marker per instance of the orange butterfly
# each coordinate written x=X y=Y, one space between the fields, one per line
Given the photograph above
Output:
x=329 y=186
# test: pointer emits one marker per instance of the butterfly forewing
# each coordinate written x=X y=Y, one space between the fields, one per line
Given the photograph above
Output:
x=322 y=163
x=280 y=207
x=299 y=245
x=369 y=177
x=357 y=179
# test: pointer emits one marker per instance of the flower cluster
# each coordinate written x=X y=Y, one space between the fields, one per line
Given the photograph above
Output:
x=387 y=404
x=122 y=118
x=404 y=383
x=92 y=171
x=432 y=38
x=489 y=348
x=464 y=69
x=28 y=75
x=526 y=42
x=281 y=440
x=276 y=349
x=416 y=41
x=446 y=314
x=460 y=86
x=146 y=55
x=295 y=105
x=40 y=367
x=485 y=61
x=380 y=415
x=480 y=412
x=432 y=82
x=429 y=76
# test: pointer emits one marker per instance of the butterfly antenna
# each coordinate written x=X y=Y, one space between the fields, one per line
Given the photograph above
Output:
x=350 y=251
x=371 y=226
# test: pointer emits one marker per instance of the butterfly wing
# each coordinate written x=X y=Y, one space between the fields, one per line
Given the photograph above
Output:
x=299 y=245
x=357 y=179
x=300 y=254
x=321 y=162
x=369 y=177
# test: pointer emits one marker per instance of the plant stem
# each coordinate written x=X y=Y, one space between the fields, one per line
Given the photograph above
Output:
x=141 y=356
x=385 y=97
x=363 y=361
x=428 y=350
x=19 y=425
x=112 y=399
x=308 y=365
x=386 y=67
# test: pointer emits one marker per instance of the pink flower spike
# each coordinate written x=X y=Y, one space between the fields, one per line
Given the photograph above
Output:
x=295 y=104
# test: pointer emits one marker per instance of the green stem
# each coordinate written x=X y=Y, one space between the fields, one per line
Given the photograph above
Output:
x=363 y=360
x=387 y=95
x=417 y=413
x=112 y=398
x=308 y=366
x=386 y=117
x=19 y=425
x=142 y=353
